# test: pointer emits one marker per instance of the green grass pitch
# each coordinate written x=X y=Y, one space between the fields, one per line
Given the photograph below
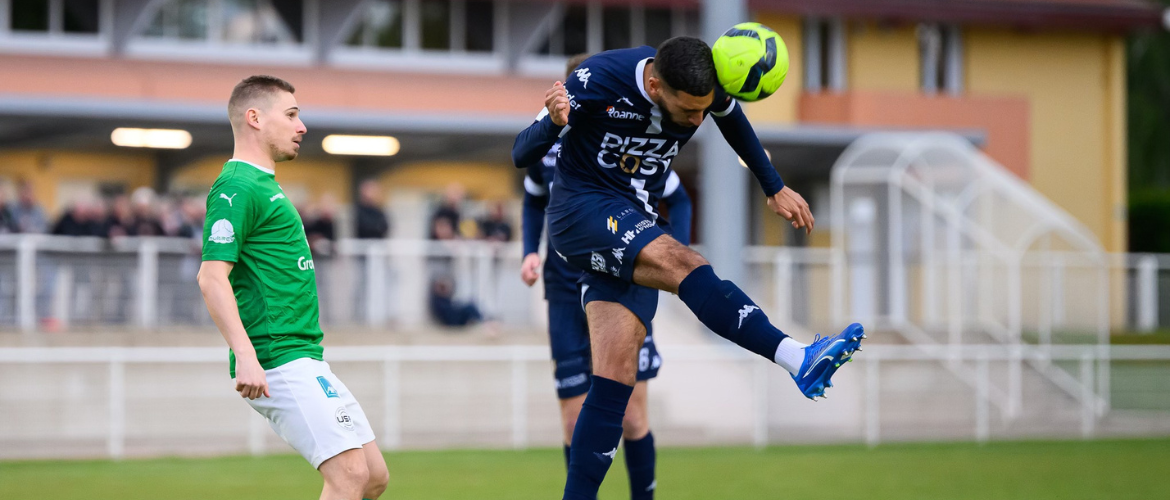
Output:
x=1138 y=469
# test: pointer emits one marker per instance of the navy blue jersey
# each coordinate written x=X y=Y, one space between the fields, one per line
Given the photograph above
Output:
x=560 y=278
x=617 y=139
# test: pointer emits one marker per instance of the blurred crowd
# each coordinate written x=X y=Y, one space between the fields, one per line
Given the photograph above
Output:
x=140 y=213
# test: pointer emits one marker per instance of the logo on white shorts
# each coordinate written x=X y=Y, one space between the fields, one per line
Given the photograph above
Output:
x=330 y=392
x=343 y=419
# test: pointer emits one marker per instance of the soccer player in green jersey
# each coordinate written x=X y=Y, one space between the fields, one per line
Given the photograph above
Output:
x=258 y=281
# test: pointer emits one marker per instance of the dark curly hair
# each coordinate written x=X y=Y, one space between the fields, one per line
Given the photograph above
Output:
x=686 y=65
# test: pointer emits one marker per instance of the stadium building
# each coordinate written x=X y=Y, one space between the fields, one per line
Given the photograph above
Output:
x=1038 y=85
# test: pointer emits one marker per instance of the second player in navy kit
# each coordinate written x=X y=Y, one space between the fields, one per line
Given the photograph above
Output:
x=621 y=119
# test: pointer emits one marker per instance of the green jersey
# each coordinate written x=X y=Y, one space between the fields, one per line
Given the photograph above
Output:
x=251 y=223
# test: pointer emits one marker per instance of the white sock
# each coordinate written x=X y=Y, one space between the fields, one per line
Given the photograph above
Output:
x=790 y=355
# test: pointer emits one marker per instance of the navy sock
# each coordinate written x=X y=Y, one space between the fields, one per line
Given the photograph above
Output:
x=596 y=437
x=728 y=312
x=640 y=458
x=566 y=456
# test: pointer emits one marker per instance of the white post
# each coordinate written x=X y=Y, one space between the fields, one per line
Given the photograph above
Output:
x=116 y=433
x=376 y=302
x=760 y=372
x=1058 y=309
x=487 y=300
x=1104 y=391
x=782 y=276
x=894 y=244
x=982 y=408
x=1015 y=382
x=1147 y=292
x=147 y=283
x=391 y=405
x=872 y=402
x=256 y=425
x=1047 y=290
x=519 y=402
x=1088 y=412
x=927 y=266
x=1015 y=331
x=26 y=283
x=955 y=282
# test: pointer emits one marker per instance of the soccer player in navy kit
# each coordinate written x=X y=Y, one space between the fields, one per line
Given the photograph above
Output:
x=621 y=119
x=568 y=330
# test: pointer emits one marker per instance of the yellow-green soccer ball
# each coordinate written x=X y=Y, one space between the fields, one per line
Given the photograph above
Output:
x=751 y=61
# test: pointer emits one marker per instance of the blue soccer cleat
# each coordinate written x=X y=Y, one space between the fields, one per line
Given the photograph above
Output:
x=823 y=357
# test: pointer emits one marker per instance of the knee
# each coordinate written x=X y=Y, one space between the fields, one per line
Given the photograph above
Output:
x=377 y=482
x=686 y=260
x=636 y=424
x=353 y=475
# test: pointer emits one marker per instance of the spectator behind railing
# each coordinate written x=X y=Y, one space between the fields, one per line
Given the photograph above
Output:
x=371 y=220
x=494 y=227
x=450 y=210
x=29 y=216
x=319 y=230
x=85 y=217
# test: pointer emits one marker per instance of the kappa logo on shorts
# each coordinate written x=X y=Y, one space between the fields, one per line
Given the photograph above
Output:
x=330 y=392
x=343 y=419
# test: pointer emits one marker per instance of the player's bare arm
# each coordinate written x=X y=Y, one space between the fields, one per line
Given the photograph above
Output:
x=221 y=303
x=791 y=205
x=530 y=269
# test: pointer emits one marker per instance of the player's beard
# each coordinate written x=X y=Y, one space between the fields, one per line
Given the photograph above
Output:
x=278 y=154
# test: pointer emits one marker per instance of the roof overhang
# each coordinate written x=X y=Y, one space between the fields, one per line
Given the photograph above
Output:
x=1094 y=15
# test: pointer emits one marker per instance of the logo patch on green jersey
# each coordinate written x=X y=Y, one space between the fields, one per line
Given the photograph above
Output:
x=222 y=232
x=330 y=392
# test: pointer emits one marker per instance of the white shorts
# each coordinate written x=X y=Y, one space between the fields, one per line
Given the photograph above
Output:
x=311 y=410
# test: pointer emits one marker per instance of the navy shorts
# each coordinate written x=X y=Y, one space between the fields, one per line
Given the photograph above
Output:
x=569 y=339
x=602 y=236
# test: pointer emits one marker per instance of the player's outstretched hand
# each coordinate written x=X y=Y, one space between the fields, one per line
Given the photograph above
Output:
x=557 y=102
x=250 y=380
x=530 y=268
x=791 y=205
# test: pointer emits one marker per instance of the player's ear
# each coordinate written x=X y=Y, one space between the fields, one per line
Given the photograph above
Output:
x=252 y=118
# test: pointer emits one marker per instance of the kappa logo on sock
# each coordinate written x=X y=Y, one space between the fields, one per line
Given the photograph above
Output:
x=743 y=313
x=611 y=454
x=653 y=484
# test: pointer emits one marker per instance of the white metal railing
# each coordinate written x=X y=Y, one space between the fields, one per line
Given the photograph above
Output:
x=866 y=385
x=147 y=283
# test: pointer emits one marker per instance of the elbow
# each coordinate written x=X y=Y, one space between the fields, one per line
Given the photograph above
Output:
x=518 y=154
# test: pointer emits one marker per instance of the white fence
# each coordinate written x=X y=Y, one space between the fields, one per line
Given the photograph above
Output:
x=121 y=402
x=55 y=283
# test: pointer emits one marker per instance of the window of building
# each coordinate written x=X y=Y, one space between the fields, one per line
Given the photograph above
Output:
x=254 y=22
x=380 y=25
x=435 y=21
x=658 y=26
x=940 y=55
x=440 y=25
x=180 y=19
x=54 y=16
x=479 y=26
x=824 y=55
x=591 y=27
